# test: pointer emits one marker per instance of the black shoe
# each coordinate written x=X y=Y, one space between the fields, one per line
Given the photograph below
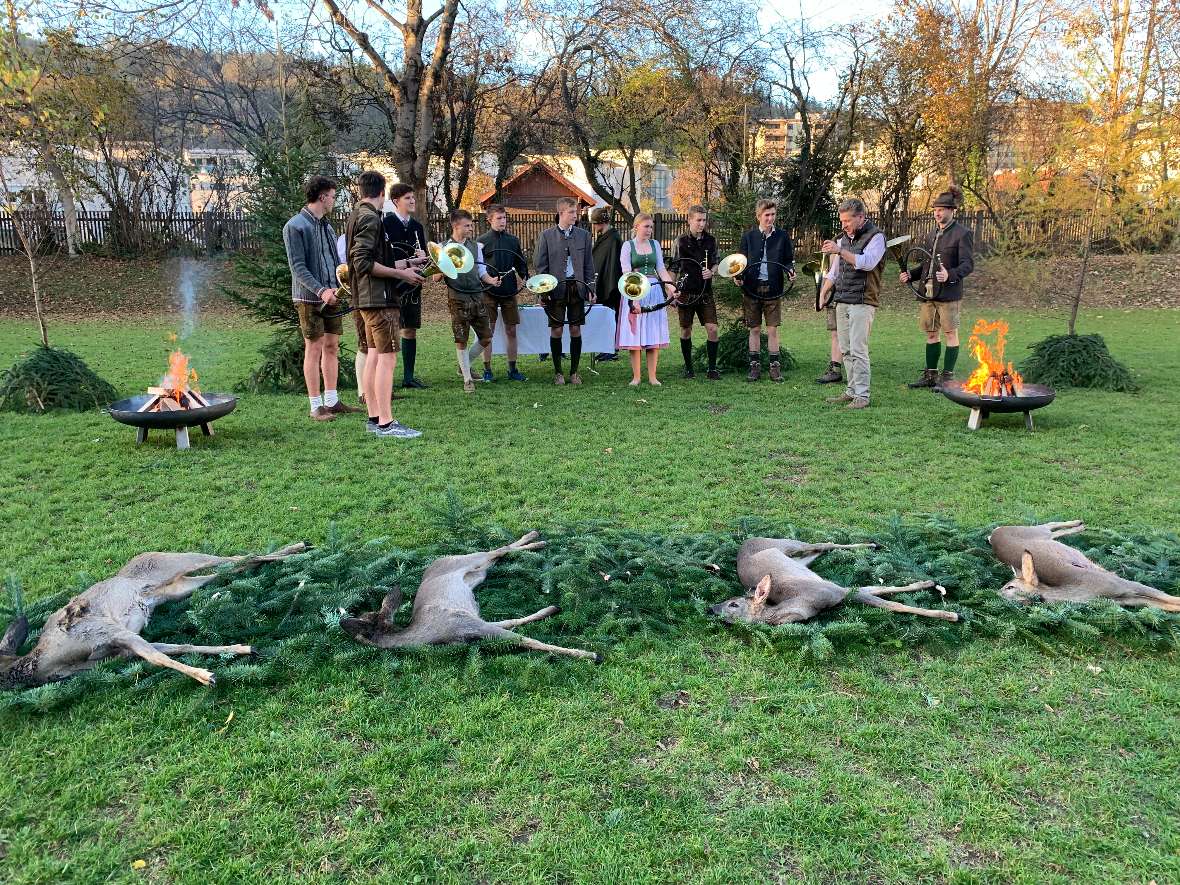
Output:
x=606 y=357
x=755 y=372
x=713 y=375
x=688 y=373
x=831 y=376
x=415 y=384
x=928 y=378
x=944 y=378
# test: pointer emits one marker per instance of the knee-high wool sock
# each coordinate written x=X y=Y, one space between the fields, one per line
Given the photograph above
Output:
x=952 y=356
x=932 y=352
x=555 y=353
x=686 y=352
x=409 y=351
x=711 y=349
x=575 y=353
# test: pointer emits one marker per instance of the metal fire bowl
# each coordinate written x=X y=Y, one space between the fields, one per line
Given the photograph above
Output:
x=124 y=411
x=1035 y=396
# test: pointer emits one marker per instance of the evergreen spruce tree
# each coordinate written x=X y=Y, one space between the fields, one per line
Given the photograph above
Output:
x=262 y=278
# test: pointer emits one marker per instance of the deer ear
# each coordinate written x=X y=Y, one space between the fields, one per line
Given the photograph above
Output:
x=760 y=593
x=1027 y=571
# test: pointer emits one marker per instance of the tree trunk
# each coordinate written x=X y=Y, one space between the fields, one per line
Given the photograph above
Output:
x=38 y=308
x=65 y=193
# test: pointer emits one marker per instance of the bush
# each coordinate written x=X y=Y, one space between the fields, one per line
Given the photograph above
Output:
x=1076 y=361
x=53 y=379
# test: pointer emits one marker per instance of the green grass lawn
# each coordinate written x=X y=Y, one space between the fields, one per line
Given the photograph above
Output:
x=697 y=755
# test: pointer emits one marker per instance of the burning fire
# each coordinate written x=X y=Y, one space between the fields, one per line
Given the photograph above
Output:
x=992 y=377
x=180 y=378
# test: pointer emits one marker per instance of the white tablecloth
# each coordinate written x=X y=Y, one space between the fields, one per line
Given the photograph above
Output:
x=532 y=335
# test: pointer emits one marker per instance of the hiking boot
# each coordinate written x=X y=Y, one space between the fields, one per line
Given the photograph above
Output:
x=468 y=386
x=322 y=413
x=944 y=377
x=515 y=375
x=713 y=375
x=559 y=380
x=755 y=371
x=688 y=373
x=929 y=379
x=831 y=376
x=488 y=377
x=776 y=372
x=342 y=408
x=858 y=402
x=842 y=398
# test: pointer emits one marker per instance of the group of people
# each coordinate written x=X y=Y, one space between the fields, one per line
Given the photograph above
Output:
x=386 y=254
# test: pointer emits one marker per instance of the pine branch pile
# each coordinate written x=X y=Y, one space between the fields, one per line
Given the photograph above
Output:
x=614 y=584
x=733 y=350
x=48 y=379
x=1077 y=361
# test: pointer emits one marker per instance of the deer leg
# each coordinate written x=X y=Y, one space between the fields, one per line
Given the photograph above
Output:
x=1062 y=529
x=807 y=555
x=169 y=649
x=495 y=632
x=908 y=588
x=865 y=595
x=135 y=644
x=546 y=612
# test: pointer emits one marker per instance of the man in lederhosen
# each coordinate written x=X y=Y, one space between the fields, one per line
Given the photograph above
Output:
x=952 y=247
x=371 y=271
x=696 y=253
x=770 y=257
x=565 y=251
x=608 y=245
x=501 y=251
x=465 y=297
x=854 y=284
x=407 y=239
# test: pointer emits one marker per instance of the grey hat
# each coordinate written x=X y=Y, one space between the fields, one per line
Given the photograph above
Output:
x=951 y=198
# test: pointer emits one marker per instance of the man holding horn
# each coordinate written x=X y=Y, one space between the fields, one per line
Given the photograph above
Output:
x=854 y=284
x=566 y=252
x=502 y=253
x=951 y=247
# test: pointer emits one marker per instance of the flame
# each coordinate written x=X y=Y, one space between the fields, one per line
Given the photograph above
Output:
x=180 y=378
x=986 y=380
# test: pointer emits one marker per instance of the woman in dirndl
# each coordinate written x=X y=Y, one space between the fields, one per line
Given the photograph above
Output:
x=644 y=327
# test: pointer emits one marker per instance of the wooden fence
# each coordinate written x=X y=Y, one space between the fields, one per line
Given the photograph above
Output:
x=224 y=232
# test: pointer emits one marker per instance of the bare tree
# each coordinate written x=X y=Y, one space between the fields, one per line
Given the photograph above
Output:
x=406 y=88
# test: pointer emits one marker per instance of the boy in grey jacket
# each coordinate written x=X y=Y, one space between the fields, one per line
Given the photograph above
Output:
x=311 y=255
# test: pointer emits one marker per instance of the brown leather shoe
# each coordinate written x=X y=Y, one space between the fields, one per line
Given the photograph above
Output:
x=831 y=376
x=944 y=377
x=776 y=372
x=342 y=408
x=858 y=402
x=842 y=398
x=755 y=371
x=928 y=379
x=323 y=414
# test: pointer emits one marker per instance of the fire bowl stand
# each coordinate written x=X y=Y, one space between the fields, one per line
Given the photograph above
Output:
x=141 y=434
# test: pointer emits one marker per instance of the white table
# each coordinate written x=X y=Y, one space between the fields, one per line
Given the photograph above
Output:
x=532 y=335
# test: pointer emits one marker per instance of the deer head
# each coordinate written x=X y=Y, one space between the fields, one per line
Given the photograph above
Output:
x=1025 y=586
x=748 y=609
x=15 y=670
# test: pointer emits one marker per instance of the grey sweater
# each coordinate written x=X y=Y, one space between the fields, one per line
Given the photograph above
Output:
x=311 y=255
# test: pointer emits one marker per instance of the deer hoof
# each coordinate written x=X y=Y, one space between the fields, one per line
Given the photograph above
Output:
x=598 y=659
x=241 y=649
x=205 y=677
